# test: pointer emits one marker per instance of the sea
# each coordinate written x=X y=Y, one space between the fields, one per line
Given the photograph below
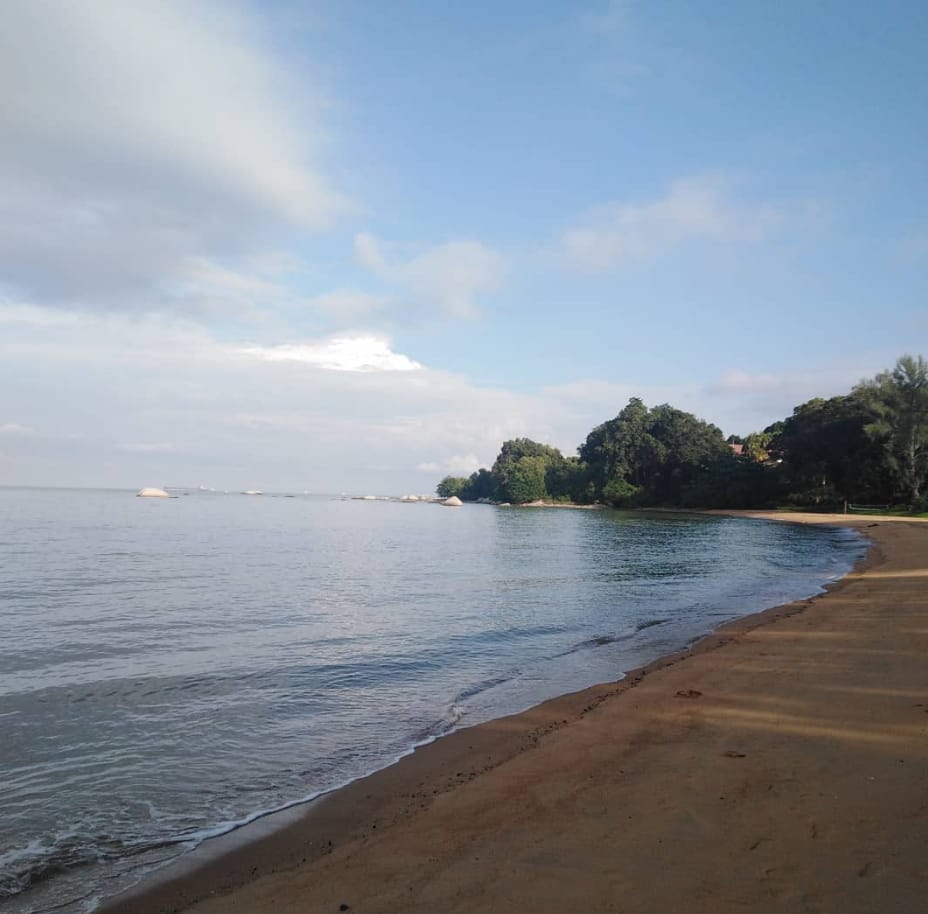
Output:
x=174 y=669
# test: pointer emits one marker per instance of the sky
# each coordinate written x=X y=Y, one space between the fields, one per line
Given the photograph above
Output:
x=346 y=245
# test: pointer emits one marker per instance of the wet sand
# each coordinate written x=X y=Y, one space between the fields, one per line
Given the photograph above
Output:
x=779 y=765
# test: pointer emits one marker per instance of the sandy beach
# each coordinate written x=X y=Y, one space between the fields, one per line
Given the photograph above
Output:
x=779 y=765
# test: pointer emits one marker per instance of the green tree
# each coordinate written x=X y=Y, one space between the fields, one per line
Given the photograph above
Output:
x=650 y=456
x=621 y=447
x=620 y=493
x=688 y=448
x=526 y=480
x=898 y=400
x=734 y=482
x=479 y=485
x=451 y=485
x=505 y=467
x=869 y=445
x=825 y=451
x=566 y=479
x=757 y=446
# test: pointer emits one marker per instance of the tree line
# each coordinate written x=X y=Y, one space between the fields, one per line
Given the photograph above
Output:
x=869 y=446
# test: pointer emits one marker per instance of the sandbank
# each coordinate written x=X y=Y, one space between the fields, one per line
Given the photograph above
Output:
x=781 y=764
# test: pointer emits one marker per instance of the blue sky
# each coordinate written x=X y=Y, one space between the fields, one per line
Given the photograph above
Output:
x=353 y=246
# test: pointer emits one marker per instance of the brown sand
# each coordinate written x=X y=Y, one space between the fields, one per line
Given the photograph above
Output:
x=781 y=765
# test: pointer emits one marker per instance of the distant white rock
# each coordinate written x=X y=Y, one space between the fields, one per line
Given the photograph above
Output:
x=253 y=492
x=151 y=492
x=453 y=502
x=409 y=498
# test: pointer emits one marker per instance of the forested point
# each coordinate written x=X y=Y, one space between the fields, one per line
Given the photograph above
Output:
x=868 y=448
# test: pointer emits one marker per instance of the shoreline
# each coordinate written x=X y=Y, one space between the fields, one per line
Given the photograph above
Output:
x=309 y=838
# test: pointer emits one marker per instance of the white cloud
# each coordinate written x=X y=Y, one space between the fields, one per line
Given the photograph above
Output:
x=147 y=447
x=363 y=353
x=205 y=277
x=447 y=277
x=739 y=381
x=738 y=400
x=692 y=208
x=453 y=466
x=349 y=304
x=117 y=400
x=279 y=416
x=368 y=253
x=137 y=136
x=463 y=466
x=205 y=287
x=14 y=428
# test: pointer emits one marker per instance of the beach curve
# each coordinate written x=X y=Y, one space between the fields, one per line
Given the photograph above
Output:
x=779 y=764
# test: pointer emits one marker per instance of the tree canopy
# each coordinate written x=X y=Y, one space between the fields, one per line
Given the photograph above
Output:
x=650 y=456
x=870 y=445
x=898 y=405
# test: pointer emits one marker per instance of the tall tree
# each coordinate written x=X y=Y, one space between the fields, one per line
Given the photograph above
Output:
x=479 y=485
x=506 y=468
x=647 y=456
x=689 y=447
x=899 y=402
x=527 y=480
x=621 y=448
x=826 y=452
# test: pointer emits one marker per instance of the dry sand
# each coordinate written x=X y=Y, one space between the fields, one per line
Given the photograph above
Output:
x=780 y=766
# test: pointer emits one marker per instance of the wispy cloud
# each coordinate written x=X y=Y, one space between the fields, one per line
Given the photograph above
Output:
x=738 y=381
x=147 y=447
x=613 y=17
x=455 y=465
x=693 y=208
x=14 y=428
x=914 y=246
x=349 y=304
x=447 y=277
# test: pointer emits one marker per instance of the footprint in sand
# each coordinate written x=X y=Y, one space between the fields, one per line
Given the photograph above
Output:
x=688 y=693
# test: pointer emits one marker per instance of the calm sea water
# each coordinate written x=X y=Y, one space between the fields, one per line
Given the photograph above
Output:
x=170 y=669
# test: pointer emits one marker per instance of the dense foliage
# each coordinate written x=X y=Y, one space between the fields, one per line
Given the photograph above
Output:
x=869 y=446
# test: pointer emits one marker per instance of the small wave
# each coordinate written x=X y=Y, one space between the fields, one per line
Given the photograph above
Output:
x=588 y=643
x=25 y=867
x=478 y=687
x=512 y=633
x=649 y=623
x=603 y=640
x=441 y=727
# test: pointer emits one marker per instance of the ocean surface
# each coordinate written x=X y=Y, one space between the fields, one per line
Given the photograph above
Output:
x=173 y=669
